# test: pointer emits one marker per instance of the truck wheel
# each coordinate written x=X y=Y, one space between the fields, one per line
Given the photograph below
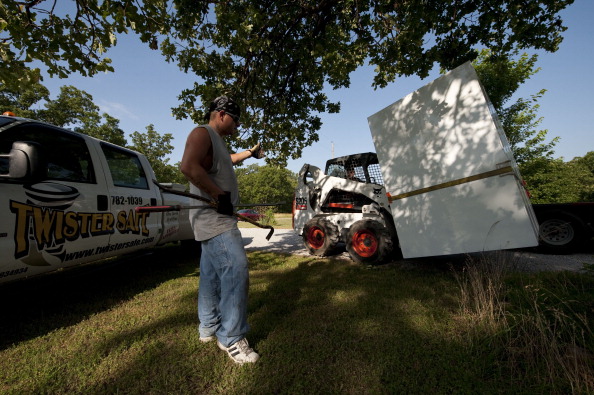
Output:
x=560 y=232
x=320 y=236
x=369 y=242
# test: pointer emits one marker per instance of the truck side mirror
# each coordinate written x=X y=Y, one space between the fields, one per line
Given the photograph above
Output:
x=25 y=161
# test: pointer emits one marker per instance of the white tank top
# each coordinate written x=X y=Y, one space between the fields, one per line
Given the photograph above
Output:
x=206 y=222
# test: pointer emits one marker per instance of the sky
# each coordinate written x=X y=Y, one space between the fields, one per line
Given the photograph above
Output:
x=144 y=88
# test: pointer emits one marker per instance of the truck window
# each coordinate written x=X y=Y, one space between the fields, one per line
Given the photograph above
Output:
x=67 y=154
x=125 y=168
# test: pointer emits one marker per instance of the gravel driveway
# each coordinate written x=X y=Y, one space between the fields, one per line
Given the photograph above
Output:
x=287 y=242
x=283 y=240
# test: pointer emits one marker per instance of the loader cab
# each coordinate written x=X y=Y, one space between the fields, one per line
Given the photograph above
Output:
x=359 y=167
x=362 y=183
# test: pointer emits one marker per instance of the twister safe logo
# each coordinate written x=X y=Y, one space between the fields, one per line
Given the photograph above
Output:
x=44 y=220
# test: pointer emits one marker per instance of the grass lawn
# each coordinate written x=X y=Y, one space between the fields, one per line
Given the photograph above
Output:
x=320 y=325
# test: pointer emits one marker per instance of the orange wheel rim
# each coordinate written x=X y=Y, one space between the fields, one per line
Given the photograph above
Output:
x=315 y=237
x=365 y=243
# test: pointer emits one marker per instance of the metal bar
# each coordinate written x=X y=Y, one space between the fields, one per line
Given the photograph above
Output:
x=210 y=202
x=260 y=204
x=151 y=209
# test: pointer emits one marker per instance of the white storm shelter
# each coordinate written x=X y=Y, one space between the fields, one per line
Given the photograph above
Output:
x=446 y=162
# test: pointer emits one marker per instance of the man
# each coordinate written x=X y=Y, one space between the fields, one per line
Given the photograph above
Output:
x=224 y=277
x=351 y=174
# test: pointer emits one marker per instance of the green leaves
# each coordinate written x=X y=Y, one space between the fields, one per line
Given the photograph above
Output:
x=266 y=184
x=76 y=110
x=275 y=57
x=556 y=181
x=72 y=36
x=501 y=76
x=548 y=180
x=156 y=147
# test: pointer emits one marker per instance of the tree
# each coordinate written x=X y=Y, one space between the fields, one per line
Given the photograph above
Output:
x=501 y=77
x=586 y=162
x=275 y=57
x=520 y=123
x=72 y=108
x=109 y=130
x=68 y=36
x=76 y=110
x=549 y=180
x=266 y=184
x=556 y=181
x=156 y=147
x=21 y=99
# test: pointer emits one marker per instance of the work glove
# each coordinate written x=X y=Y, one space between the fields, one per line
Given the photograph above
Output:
x=257 y=151
x=224 y=204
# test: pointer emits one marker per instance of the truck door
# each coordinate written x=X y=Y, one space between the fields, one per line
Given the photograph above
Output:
x=57 y=221
x=129 y=179
x=454 y=184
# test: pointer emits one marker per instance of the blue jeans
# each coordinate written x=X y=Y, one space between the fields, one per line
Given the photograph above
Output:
x=223 y=288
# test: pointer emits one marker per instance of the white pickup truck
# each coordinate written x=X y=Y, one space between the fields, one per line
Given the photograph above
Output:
x=68 y=199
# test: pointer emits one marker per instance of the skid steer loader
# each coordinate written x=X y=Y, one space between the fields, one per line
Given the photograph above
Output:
x=345 y=205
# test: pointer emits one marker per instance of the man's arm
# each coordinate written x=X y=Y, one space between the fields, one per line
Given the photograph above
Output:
x=255 y=152
x=240 y=156
x=196 y=161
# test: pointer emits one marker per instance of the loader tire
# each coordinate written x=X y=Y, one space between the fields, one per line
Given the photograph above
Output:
x=320 y=236
x=369 y=242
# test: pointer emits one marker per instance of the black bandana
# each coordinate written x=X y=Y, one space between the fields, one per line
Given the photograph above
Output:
x=226 y=104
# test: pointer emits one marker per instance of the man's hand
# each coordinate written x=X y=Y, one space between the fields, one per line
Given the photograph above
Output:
x=257 y=151
x=225 y=207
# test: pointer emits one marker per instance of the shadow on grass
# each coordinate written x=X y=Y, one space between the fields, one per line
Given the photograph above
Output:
x=36 y=306
x=331 y=326
x=320 y=325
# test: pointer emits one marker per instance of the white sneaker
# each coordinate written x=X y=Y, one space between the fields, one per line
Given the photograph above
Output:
x=240 y=352
x=207 y=339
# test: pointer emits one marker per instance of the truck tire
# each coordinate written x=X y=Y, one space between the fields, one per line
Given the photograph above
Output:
x=560 y=232
x=369 y=242
x=320 y=236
